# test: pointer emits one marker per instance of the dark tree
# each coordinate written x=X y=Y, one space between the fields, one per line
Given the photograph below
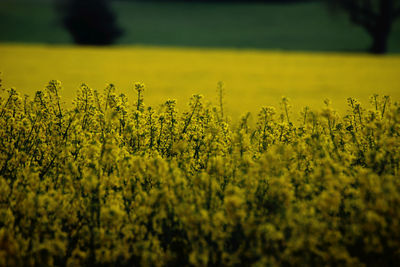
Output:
x=90 y=22
x=375 y=16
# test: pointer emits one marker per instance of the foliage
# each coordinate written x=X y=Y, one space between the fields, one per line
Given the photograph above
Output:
x=375 y=16
x=108 y=182
x=90 y=22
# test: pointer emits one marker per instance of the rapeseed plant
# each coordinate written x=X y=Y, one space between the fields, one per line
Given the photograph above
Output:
x=108 y=182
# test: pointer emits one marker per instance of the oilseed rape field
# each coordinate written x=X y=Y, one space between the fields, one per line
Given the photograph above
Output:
x=253 y=78
x=101 y=169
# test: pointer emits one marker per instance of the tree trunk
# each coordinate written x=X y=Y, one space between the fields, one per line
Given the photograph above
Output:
x=379 y=42
x=383 y=25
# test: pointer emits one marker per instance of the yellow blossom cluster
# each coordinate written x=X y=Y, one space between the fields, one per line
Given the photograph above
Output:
x=105 y=182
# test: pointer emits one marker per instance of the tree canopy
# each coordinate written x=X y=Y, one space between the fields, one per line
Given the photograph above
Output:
x=90 y=22
x=375 y=16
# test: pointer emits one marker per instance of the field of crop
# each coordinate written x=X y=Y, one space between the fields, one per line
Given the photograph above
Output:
x=252 y=78
x=189 y=144
x=111 y=181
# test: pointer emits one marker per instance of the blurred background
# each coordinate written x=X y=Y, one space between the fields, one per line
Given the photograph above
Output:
x=319 y=25
x=262 y=50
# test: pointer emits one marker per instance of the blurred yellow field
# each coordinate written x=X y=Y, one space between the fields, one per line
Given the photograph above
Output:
x=253 y=78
